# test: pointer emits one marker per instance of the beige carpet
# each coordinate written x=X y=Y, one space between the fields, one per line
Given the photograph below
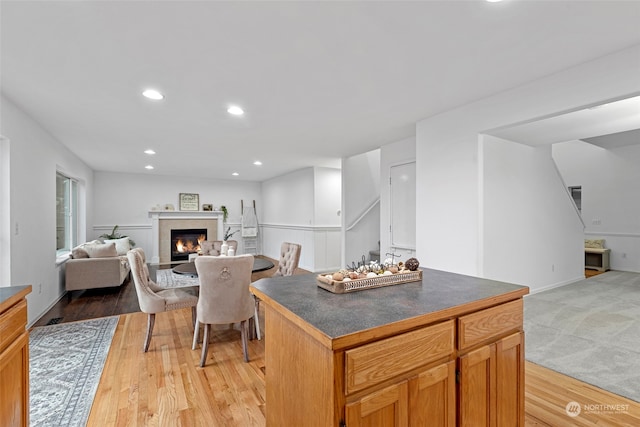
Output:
x=589 y=330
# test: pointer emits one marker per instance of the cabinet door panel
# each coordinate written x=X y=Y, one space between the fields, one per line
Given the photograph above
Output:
x=387 y=407
x=14 y=383
x=476 y=387
x=510 y=380
x=432 y=397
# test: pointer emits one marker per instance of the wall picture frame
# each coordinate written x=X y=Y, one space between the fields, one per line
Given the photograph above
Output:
x=189 y=201
x=207 y=207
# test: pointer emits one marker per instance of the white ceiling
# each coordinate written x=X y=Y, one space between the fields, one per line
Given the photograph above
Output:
x=621 y=139
x=318 y=80
x=609 y=125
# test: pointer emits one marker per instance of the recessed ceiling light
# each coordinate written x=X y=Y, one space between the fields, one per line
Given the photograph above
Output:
x=235 y=174
x=235 y=110
x=153 y=94
x=149 y=151
x=148 y=167
x=257 y=163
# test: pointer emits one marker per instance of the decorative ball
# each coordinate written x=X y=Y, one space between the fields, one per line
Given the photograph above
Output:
x=412 y=264
x=337 y=276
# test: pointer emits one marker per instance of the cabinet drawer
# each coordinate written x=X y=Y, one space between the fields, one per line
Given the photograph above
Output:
x=376 y=362
x=477 y=327
x=12 y=323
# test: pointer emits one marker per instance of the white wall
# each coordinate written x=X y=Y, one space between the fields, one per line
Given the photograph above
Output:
x=532 y=232
x=447 y=153
x=301 y=207
x=361 y=190
x=289 y=199
x=327 y=218
x=35 y=156
x=327 y=196
x=396 y=153
x=126 y=199
x=5 y=213
x=610 y=180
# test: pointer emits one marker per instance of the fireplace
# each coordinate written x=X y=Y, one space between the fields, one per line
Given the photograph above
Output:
x=162 y=222
x=186 y=241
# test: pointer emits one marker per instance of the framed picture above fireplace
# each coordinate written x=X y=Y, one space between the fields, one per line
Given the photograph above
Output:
x=189 y=202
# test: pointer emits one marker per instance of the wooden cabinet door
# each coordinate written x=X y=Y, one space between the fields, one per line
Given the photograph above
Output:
x=384 y=408
x=432 y=397
x=14 y=383
x=510 y=380
x=477 y=388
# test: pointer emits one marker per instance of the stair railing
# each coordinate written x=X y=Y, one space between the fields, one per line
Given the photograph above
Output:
x=364 y=214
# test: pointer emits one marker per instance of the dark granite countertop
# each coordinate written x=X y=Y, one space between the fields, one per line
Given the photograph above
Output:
x=9 y=295
x=339 y=315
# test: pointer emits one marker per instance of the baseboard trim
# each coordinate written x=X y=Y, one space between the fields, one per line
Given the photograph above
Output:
x=46 y=310
x=556 y=285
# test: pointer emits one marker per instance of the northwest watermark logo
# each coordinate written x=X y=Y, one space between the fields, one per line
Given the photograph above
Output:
x=573 y=409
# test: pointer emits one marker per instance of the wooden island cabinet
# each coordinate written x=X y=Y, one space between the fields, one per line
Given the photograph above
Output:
x=445 y=351
x=14 y=357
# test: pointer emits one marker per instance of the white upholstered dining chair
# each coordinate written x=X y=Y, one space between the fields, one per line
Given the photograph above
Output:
x=224 y=297
x=287 y=265
x=214 y=247
x=154 y=299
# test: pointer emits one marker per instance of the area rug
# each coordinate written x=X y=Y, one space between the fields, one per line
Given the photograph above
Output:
x=168 y=279
x=589 y=330
x=66 y=362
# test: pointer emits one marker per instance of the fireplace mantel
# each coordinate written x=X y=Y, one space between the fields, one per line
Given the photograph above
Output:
x=158 y=216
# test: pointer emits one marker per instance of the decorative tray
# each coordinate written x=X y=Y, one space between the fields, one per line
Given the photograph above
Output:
x=342 y=286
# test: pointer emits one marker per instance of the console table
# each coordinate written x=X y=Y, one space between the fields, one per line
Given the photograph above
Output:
x=14 y=356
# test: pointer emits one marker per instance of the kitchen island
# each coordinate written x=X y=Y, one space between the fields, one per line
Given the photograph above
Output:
x=14 y=356
x=444 y=351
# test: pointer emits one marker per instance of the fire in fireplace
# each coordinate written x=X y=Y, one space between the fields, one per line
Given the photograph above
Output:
x=185 y=242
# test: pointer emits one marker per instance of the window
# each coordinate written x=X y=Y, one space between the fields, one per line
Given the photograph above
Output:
x=66 y=213
x=576 y=194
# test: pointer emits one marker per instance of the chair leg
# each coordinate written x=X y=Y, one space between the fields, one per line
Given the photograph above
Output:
x=205 y=344
x=257 y=321
x=194 y=316
x=244 y=331
x=151 y=320
x=196 y=334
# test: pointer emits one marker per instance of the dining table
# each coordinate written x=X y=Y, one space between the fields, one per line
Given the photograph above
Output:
x=189 y=268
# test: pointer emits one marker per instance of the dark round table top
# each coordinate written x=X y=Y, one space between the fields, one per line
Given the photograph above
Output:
x=189 y=268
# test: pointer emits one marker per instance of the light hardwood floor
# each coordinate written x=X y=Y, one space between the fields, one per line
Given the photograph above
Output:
x=165 y=387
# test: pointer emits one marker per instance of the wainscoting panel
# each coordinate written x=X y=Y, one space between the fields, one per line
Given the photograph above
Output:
x=320 y=245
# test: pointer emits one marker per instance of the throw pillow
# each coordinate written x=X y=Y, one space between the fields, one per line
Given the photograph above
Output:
x=79 y=252
x=105 y=250
x=122 y=245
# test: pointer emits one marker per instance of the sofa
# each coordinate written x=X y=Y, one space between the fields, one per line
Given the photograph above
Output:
x=96 y=265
